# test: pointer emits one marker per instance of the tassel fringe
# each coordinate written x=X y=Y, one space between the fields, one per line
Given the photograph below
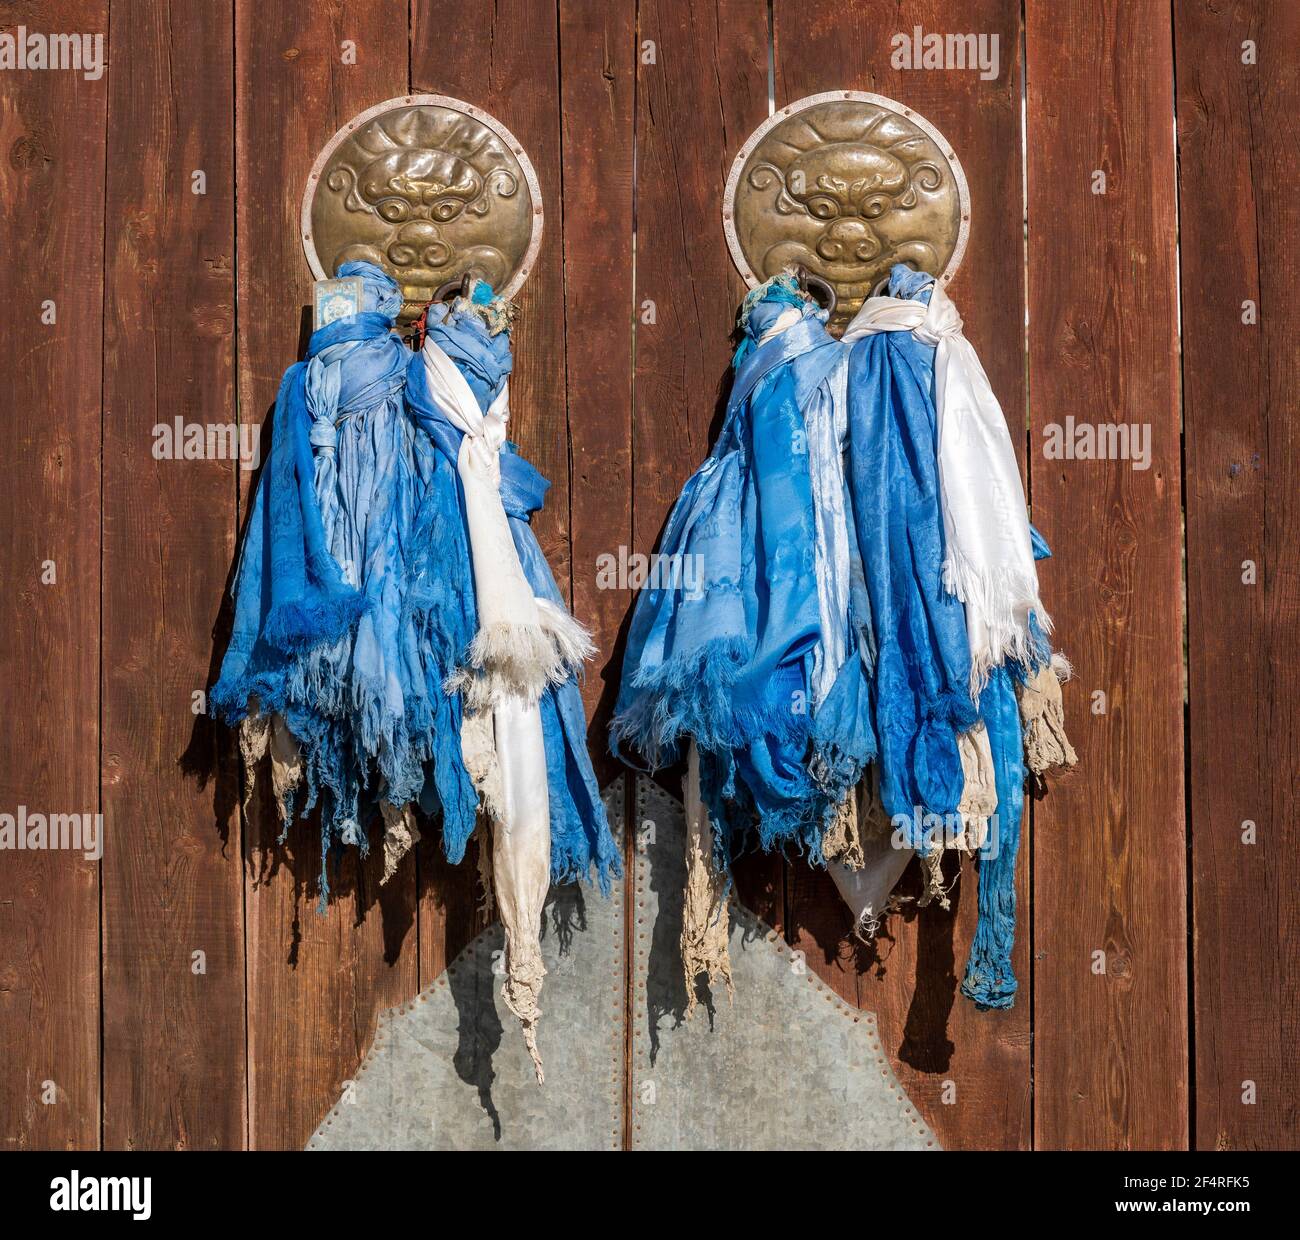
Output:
x=1042 y=716
x=521 y=660
x=1006 y=599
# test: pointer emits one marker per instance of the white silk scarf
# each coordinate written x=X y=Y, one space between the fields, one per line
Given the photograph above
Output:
x=523 y=644
x=988 y=557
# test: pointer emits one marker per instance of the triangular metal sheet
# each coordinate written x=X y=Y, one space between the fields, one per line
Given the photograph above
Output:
x=787 y=1066
x=448 y=1071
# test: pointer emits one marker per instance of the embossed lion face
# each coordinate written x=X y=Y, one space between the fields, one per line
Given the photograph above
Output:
x=426 y=192
x=848 y=186
x=846 y=189
x=432 y=185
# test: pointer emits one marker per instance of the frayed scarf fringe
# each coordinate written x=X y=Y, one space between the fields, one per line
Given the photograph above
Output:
x=523 y=986
x=802 y=825
x=306 y=623
x=521 y=660
x=842 y=839
x=571 y=862
x=706 y=924
x=1005 y=599
x=400 y=836
x=1042 y=715
x=867 y=927
x=695 y=696
x=990 y=981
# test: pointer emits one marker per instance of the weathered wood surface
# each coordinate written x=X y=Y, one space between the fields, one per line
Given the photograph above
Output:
x=52 y=153
x=173 y=933
x=622 y=360
x=1239 y=219
x=1109 y=863
x=316 y=982
x=598 y=84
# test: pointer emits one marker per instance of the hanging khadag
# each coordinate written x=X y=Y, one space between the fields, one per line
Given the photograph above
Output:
x=400 y=652
x=865 y=673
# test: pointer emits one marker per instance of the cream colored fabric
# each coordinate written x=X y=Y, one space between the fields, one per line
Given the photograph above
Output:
x=523 y=643
x=705 y=920
x=1042 y=718
x=521 y=859
x=260 y=735
x=979 y=796
x=400 y=835
x=842 y=839
x=867 y=888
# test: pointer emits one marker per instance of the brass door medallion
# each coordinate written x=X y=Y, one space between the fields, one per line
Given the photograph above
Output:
x=846 y=184
x=426 y=187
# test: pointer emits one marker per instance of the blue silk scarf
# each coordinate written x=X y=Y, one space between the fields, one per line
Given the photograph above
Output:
x=729 y=664
x=354 y=597
x=723 y=667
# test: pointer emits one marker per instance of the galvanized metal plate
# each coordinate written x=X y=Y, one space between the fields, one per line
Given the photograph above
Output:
x=788 y=1066
x=427 y=187
x=847 y=184
x=448 y=1070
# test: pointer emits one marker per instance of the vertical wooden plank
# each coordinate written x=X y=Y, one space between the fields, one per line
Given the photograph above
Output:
x=173 y=1022
x=52 y=126
x=966 y=1071
x=701 y=90
x=597 y=84
x=1239 y=218
x=1110 y=1049
x=597 y=45
x=315 y=982
x=504 y=58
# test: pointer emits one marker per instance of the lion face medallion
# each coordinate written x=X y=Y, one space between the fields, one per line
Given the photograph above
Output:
x=846 y=184
x=426 y=187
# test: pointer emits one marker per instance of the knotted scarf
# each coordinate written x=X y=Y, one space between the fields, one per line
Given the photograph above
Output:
x=734 y=665
x=353 y=658
x=869 y=595
x=523 y=717
x=988 y=559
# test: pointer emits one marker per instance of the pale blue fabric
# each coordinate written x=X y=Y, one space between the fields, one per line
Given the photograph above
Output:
x=354 y=597
x=728 y=665
x=723 y=667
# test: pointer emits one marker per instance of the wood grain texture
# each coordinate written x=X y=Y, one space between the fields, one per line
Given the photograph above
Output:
x=597 y=46
x=52 y=137
x=174 y=1051
x=966 y=1071
x=97 y=215
x=597 y=85
x=1239 y=178
x=1110 y=1049
x=701 y=89
x=315 y=982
